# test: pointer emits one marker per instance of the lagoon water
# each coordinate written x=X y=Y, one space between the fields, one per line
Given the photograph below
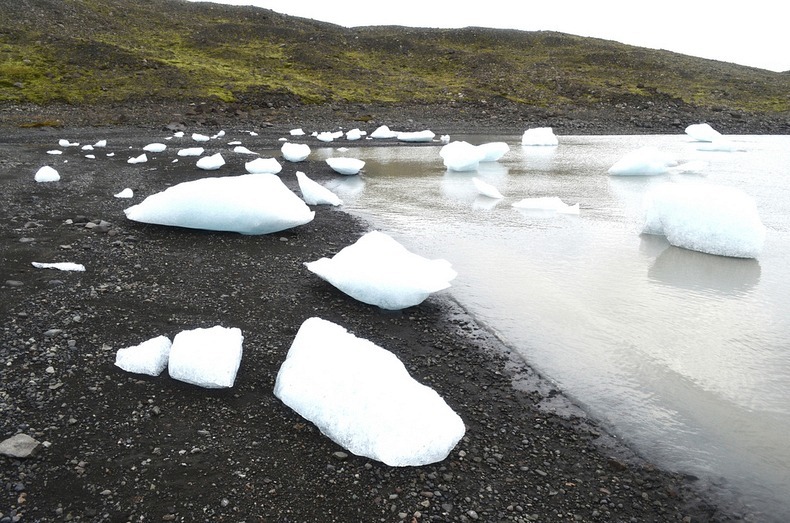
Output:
x=684 y=355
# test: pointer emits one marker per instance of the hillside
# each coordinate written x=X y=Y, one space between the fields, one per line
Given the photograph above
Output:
x=99 y=52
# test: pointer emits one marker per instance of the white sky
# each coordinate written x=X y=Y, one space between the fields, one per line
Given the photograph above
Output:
x=748 y=33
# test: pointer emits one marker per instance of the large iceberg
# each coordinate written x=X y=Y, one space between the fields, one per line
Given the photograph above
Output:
x=207 y=358
x=378 y=270
x=149 y=357
x=645 y=161
x=247 y=204
x=706 y=218
x=363 y=398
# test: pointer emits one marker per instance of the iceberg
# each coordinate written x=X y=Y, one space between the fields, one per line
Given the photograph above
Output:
x=46 y=174
x=247 y=204
x=645 y=161
x=149 y=357
x=418 y=136
x=539 y=136
x=547 y=203
x=200 y=137
x=378 y=270
x=208 y=358
x=263 y=166
x=493 y=151
x=191 y=151
x=354 y=134
x=126 y=193
x=211 y=163
x=138 y=159
x=347 y=166
x=383 y=132
x=362 y=397
x=155 y=147
x=461 y=156
x=295 y=152
x=240 y=149
x=313 y=193
x=707 y=218
x=61 y=266
x=486 y=189
x=703 y=132
x=296 y=132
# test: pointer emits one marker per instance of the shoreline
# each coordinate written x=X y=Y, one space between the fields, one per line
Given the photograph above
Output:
x=132 y=448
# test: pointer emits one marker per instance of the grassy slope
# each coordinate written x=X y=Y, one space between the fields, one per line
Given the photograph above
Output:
x=88 y=51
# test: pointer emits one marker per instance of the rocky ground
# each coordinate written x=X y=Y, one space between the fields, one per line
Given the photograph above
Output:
x=122 y=447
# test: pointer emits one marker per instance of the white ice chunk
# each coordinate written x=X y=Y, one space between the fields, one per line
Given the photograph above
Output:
x=383 y=132
x=486 y=189
x=547 y=203
x=90 y=156
x=461 y=156
x=541 y=136
x=297 y=132
x=703 y=132
x=211 y=163
x=416 y=136
x=328 y=136
x=645 y=161
x=138 y=159
x=155 y=147
x=445 y=138
x=707 y=218
x=191 y=151
x=149 y=357
x=126 y=193
x=354 y=134
x=263 y=166
x=362 y=397
x=61 y=266
x=87 y=148
x=219 y=134
x=207 y=358
x=720 y=144
x=47 y=174
x=347 y=166
x=314 y=193
x=247 y=204
x=493 y=151
x=100 y=143
x=295 y=152
x=240 y=149
x=54 y=151
x=378 y=270
x=200 y=137
x=65 y=143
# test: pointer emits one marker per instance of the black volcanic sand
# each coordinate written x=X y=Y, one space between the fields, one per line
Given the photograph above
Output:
x=124 y=447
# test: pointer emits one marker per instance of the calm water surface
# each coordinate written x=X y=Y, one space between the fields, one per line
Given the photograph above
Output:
x=684 y=355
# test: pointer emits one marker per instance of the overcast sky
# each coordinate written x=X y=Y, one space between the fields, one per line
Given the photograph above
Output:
x=748 y=33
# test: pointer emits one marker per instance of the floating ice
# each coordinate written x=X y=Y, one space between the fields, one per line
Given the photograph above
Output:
x=240 y=149
x=378 y=270
x=297 y=132
x=263 y=166
x=493 y=151
x=383 y=132
x=313 y=193
x=539 y=136
x=149 y=357
x=61 y=266
x=347 y=166
x=363 y=398
x=417 y=136
x=327 y=136
x=155 y=147
x=486 y=189
x=200 y=137
x=461 y=156
x=720 y=144
x=211 y=163
x=295 y=152
x=703 y=132
x=47 y=174
x=645 y=161
x=191 y=151
x=126 y=193
x=208 y=358
x=547 y=203
x=247 y=204
x=706 y=218
x=138 y=159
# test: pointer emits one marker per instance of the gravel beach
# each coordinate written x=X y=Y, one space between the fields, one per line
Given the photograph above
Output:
x=121 y=447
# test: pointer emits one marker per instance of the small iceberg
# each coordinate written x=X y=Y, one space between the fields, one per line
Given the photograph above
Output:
x=362 y=397
x=155 y=147
x=240 y=149
x=200 y=137
x=191 y=151
x=149 y=357
x=61 y=266
x=541 y=136
x=295 y=152
x=547 y=203
x=346 y=166
x=383 y=132
x=126 y=193
x=493 y=151
x=313 y=193
x=378 y=270
x=65 y=143
x=417 y=136
x=296 y=132
x=247 y=204
x=645 y=161
x=47 y=174
x=461 y=156
x=703 y=132
x=138 y=159
x=263 y=166
x=486 y=189
x=354 y=134
x=211 y=163
x=208 y=358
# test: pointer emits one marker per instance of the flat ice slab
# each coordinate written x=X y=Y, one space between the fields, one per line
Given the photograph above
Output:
x=363 y=398
x=207 y=358
x=347 y=166
x=378 y=270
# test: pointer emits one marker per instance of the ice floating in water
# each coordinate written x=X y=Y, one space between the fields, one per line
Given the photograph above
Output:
x=138 y=159
x=247 y=204
x=263 y=166
x=191 y=151
x=149 y=357
x=61 y=266
x=200 y=137
x=313 y=193
x=418 y=136
x=645 y=161
x=242 y=150
x=721 y=144
x=155 y=147
x=445 y=138
x=547 y=203
x=378 y=270
x=706 y=218
x=493 y=151
x=126 y=193
x=207 y=358
x=211 y=163
x=461 y=156
x=362 y=397
x=383 y=132
x=703 y=132
x=47 y=174
x=347 y=166
x=295 y=152
x=539 y=136
x=486 y=189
